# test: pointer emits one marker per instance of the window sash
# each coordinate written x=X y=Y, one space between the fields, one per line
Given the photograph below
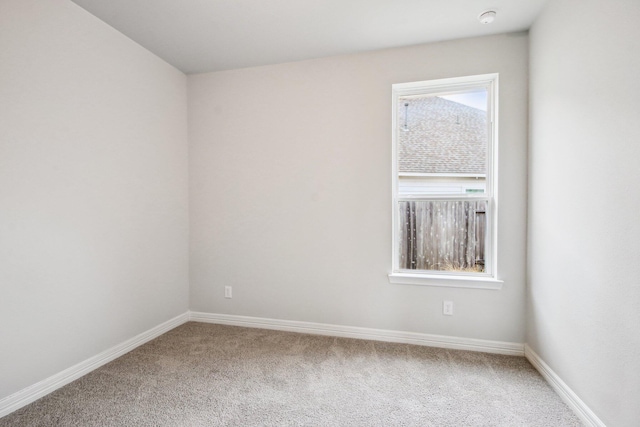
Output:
x=427 y=198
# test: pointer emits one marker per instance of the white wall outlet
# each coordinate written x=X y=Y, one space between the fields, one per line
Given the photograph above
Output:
x=227 y=292
x=447 y=308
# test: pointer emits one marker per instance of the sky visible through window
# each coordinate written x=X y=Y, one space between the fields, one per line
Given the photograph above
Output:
x=476 y=99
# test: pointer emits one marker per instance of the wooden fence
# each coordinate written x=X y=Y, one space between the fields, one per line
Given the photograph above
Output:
x=442 y=235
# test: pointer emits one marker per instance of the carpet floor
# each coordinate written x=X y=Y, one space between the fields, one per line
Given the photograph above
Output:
x=213 y=375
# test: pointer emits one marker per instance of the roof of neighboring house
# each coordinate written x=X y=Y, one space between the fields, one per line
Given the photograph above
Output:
x=443 y=137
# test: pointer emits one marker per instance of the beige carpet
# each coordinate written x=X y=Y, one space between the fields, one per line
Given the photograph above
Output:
x=208 y=375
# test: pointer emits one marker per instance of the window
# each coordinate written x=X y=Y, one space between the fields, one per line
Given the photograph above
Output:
x=444 y=182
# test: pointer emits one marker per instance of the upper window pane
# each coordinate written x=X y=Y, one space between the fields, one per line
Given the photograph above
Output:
x=442 y=142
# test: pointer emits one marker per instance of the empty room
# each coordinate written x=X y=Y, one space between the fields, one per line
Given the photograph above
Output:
x=319 y=213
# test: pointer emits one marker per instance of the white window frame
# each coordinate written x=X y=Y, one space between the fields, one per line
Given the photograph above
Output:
x=489 y=278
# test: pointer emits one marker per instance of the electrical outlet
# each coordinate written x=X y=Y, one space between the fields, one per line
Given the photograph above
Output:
x=447 y=308
x=227 y=292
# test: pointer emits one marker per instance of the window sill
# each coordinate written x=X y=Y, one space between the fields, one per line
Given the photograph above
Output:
x=473 y=282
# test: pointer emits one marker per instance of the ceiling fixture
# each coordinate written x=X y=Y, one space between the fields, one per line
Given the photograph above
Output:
x=487 y=17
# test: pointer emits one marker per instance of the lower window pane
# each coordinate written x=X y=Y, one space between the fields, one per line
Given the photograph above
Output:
x=442 y=235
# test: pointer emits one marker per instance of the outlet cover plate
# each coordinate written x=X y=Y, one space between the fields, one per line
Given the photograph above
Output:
x=447 y=308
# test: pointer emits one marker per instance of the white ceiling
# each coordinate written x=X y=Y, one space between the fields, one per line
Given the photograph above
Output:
x=211 y=35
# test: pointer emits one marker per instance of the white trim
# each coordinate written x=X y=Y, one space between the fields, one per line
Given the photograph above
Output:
x=442 y=175
x=447 y=281
x=442 y=341
x=40 y=389
x=456 y=84
x=459 y=196
x=564 y=391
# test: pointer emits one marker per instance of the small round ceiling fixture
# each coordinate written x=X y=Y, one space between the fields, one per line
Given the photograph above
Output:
x=487 y=17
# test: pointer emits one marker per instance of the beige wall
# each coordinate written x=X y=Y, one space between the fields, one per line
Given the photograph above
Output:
x=290 y=197
x=584 y=234
x=93 y=190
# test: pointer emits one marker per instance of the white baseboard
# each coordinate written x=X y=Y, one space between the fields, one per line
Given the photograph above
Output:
x=498 y=347
x=566 y=394
x=54 y=382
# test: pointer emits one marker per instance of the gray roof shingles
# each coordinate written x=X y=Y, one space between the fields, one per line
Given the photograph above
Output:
x=443 y=137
